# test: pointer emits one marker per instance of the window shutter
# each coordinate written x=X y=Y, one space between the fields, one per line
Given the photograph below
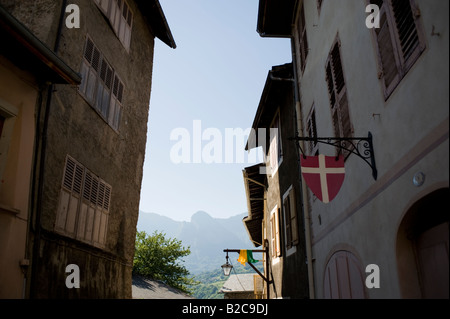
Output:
x=89 y=49
x=101 y=87
x=312 y=131
x=277 y=232
x=390 y=66
x=91 y=85
x=406 y=27
x=338 y=94
x=272 y=237
x=104 y=209
x=84 y=74
x=70 y=194
x=344 y=115
x=330 y=82
x=398 y=41
x=302 y=38
x=338 y=74
x=287 y=216
x=96 y=59
x=293 y=216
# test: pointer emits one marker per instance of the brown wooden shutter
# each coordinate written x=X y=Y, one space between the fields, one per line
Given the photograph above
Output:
x=388 y=61
x=398 y=41
x=406 y=27
x=69 y=199
x=277 y=232
x=272 y=236
x=302 y=38
x=294 y=220
x=338 y=74
x=346 y=125
x=338 y=94
x=312 y=131
x=88 y=50
x=287 y=216
x=330 y=82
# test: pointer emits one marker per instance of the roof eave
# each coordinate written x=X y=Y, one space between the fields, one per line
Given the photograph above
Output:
x=57 y=71
x=156 y=20
x=275 y=18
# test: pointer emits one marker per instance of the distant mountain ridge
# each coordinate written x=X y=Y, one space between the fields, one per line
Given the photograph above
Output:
x=207 y=237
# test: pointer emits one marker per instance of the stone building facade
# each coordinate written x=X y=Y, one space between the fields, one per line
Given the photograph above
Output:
x=273 y=189
x=90 y=151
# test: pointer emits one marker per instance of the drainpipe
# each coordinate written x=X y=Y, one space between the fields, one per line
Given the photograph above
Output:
x=40 y=176
x=305 y=209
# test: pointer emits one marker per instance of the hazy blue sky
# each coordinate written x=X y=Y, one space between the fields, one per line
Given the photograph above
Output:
x=215 y=75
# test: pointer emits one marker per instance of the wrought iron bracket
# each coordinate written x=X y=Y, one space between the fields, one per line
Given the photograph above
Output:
x=360 y=146
x=265 y=251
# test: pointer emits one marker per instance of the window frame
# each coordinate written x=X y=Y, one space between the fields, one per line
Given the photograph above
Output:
x=81 y=214
x=302 y=37
x=114 y=11
x=290 y=221
x=93 y=84
x=311 y=131
x=403 y=64
x=338 y=97
x=275 y=145
x=275 y=237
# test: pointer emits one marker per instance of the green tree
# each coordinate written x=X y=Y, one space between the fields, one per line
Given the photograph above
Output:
x=158 y=258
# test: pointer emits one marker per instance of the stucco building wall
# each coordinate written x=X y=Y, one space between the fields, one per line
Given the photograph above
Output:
x=410 y=135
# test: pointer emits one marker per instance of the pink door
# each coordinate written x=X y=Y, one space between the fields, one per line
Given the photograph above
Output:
x=432 y=251
x=343 y=277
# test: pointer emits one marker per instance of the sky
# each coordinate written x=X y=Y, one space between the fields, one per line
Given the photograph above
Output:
x=206 y=87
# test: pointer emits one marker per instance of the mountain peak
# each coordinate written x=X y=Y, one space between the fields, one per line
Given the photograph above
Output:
x=200 y=216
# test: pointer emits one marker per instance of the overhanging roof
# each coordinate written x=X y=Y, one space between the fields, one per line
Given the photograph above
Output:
x=27 y=52
x=255 y=186
x=155 y=18
x=275 y=17
x=278 y=80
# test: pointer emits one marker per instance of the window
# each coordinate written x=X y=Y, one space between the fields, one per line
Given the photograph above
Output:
x=275 y=233
x=398 y=41
x=83 y=208
x=302 y=37
x=120 y=16
x=100 y=85
x=311 y=128
x=275 y=148
x=338 y=94
x=290 y=217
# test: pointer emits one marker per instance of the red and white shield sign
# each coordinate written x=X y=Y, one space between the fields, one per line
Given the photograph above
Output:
x=324 y=175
